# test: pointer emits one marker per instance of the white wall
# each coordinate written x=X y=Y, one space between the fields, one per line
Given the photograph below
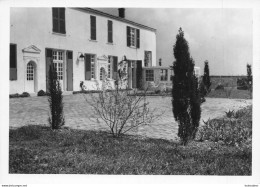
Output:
x=33 y=26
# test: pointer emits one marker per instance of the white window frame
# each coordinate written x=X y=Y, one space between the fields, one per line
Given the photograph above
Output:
x=149 y=75
x=164 y=76
x=58 y=63
x=133 y=37
x=30 y=71
x=92 y=61
x=109 y=66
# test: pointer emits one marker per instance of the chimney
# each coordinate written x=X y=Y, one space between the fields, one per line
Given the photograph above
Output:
x=121 y=12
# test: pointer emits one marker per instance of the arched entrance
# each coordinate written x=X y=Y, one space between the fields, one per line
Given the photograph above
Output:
x=31 y=77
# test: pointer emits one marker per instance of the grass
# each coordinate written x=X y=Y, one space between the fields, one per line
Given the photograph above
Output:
x=231 y=93
x=38 y=149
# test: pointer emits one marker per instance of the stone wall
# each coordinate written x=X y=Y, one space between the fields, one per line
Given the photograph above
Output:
x=227 y=81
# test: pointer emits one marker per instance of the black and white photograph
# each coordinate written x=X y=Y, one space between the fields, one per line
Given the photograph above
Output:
x=130 y=89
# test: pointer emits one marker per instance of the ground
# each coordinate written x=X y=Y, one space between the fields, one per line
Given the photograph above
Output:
x=78 y=114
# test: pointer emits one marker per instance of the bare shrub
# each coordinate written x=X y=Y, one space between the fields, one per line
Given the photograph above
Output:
x=122 y=110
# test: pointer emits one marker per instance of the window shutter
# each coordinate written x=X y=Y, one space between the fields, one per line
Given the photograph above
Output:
x=139 y=70
x=48 y=63
x=93 y=27
x=13 y=62
x=55 y=19
x=128 y=38
x=58 y=20
x=87 y=67
x=62 y=20
x=137 y=38
x=70 y=70
x=115 y=67
x=110 y=31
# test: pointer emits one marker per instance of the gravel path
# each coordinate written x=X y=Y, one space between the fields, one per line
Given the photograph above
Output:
x=78 y=114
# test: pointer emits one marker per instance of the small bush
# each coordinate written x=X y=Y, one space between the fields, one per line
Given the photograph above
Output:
x=230 y=114
x=14 y=95
x=219 y=87
x=41 y=93
x=24 y=94
x=234 y=132
x=157 y=91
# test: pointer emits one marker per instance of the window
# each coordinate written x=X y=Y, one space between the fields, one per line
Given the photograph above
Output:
x=93 y=28
x=13 y=62
x=147 y=58
x=92 y=60
x=109 y=66
x=171 y=75
x=164 y=75
x=133 y=37
x=30 y=71
x=58 y=20
x=58 y=63
x=149 y=75
x=109 y=31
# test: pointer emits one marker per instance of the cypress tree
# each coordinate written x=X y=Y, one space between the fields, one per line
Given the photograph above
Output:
x=249 y=76
x=206 y=77
x=55 y=99
x=185 y=93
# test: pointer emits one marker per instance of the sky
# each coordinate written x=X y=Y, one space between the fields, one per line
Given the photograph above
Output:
x=224 y=37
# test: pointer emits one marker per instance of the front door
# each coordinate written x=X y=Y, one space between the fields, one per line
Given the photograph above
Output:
x=30 y=77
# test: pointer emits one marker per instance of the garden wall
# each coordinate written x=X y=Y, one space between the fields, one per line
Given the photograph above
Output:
x=227 y=81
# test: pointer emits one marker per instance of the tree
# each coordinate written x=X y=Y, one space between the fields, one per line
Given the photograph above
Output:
x=249 y=77
x=206 y=77
x=185 y=93
x=55 y=99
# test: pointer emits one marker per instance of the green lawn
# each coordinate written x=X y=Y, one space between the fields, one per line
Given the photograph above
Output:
x=37 y=149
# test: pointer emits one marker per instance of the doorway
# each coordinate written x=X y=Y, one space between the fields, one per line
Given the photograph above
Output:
x=31 y=77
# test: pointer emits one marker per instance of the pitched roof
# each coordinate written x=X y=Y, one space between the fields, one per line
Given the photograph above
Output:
x=93 y=11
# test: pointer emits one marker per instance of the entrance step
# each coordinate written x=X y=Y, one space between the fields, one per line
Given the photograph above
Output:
x=67 y=92
x=33 y=94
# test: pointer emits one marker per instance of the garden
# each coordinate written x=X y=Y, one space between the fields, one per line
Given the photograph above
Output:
x=217 y=146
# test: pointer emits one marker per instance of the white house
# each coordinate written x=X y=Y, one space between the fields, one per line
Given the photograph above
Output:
x=84 y=45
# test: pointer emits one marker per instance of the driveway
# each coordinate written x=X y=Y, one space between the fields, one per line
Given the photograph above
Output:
x=78 y=114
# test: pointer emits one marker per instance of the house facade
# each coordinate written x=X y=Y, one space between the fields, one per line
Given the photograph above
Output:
x=85 y=46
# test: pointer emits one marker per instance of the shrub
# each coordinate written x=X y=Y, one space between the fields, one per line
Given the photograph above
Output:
x=14 y=95
x=202 y=91
x=230 y=132
x=185 y=94
x=122 y=111
x=219 y=87
x=24 y=94
x=242 y=84
x=206 y=77
x=41 y=93
x=230 y=113
x=55 y=99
